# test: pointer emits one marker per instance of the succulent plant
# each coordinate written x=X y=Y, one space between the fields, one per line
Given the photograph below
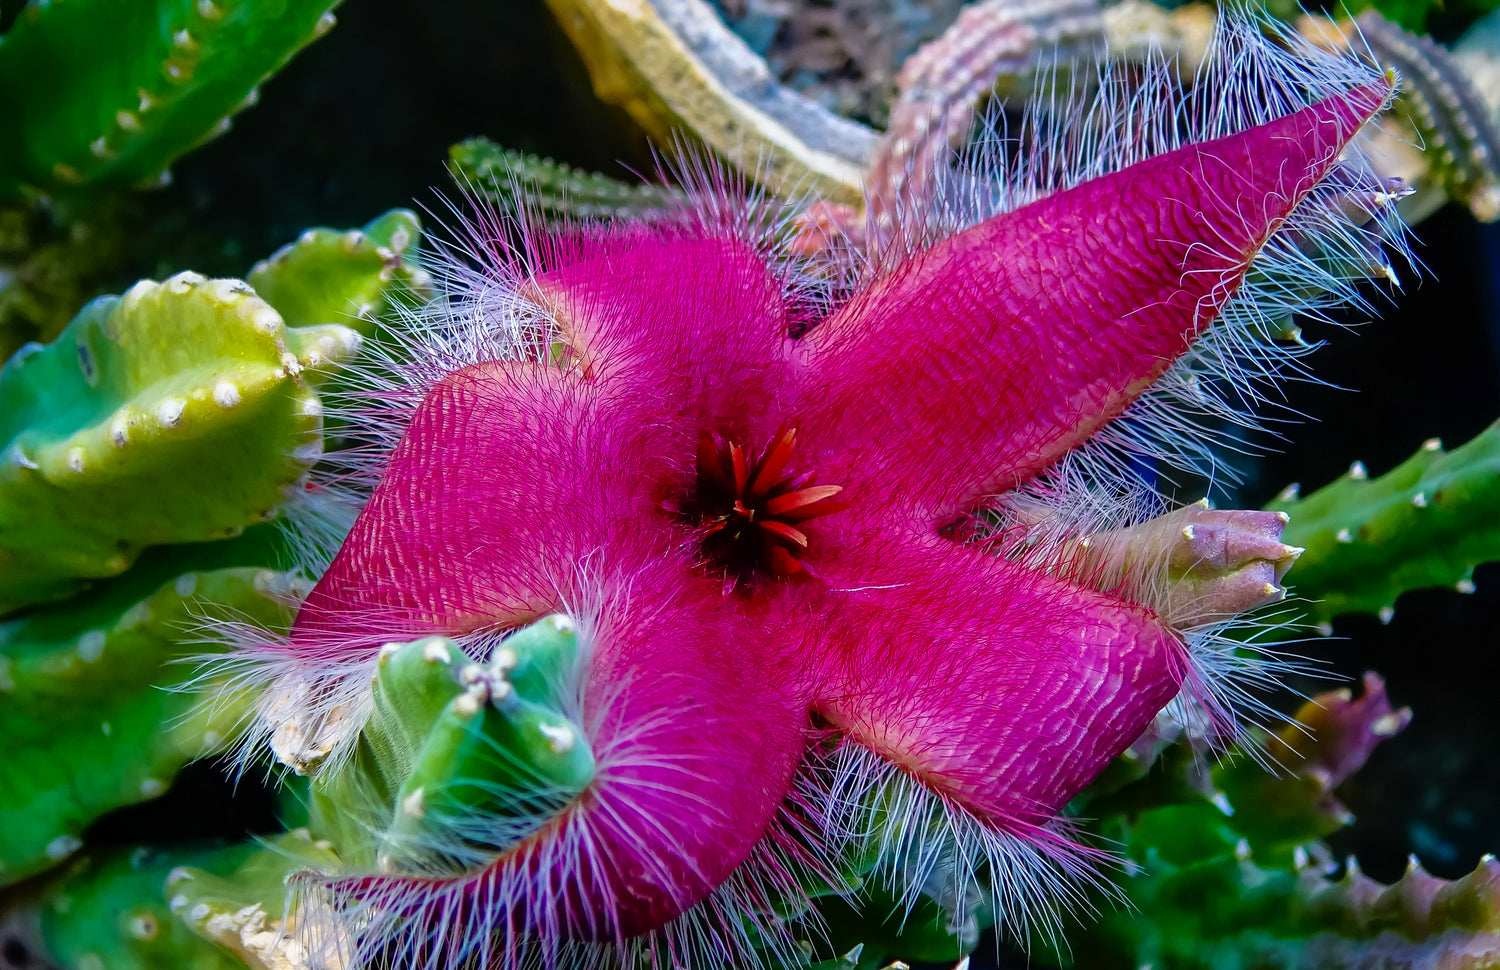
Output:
x=88 y=706
x=180 y=412
x=133 y=86
x=677 y=68
x=1227 y=868
x=188 y=907
x=510 y=179
x=237 y=898
x=447 y=740
x=356 y=277
x=112 y=911
x=1427 y=522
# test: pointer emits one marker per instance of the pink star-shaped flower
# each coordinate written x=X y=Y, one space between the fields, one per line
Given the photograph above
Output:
x=751 y=519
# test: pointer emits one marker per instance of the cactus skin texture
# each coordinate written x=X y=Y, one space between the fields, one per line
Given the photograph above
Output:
x=1330 y=739
x=1427 y=522
x=183 y=908
x=677 y=68
x=240 y=906
x=1228 y=872
x=1274 y=919
x=556 y=189
x=180 y=412
x=87 y=726
x=352 y=278
x=98 y=92
x=449 y=739
x=1442 y=101
x=111 y=911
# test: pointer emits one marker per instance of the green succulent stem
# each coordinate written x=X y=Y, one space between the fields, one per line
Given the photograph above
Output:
x=354 y=277
x=87 y=707
x=512 y=179
x=190 y=907
x=1427 y=522
x=458 y=757
x=179 y=412
x=1226 y=869
x=96 y=92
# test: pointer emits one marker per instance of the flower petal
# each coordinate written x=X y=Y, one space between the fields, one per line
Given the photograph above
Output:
x=695 y=325
x=980 y=362
x=696 y=744
x=1002 y=688
x=509 y=476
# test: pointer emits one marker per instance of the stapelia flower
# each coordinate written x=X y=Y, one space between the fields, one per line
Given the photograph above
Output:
x=749 y=496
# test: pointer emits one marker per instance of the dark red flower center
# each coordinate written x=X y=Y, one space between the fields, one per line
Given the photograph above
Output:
x=752 y=507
